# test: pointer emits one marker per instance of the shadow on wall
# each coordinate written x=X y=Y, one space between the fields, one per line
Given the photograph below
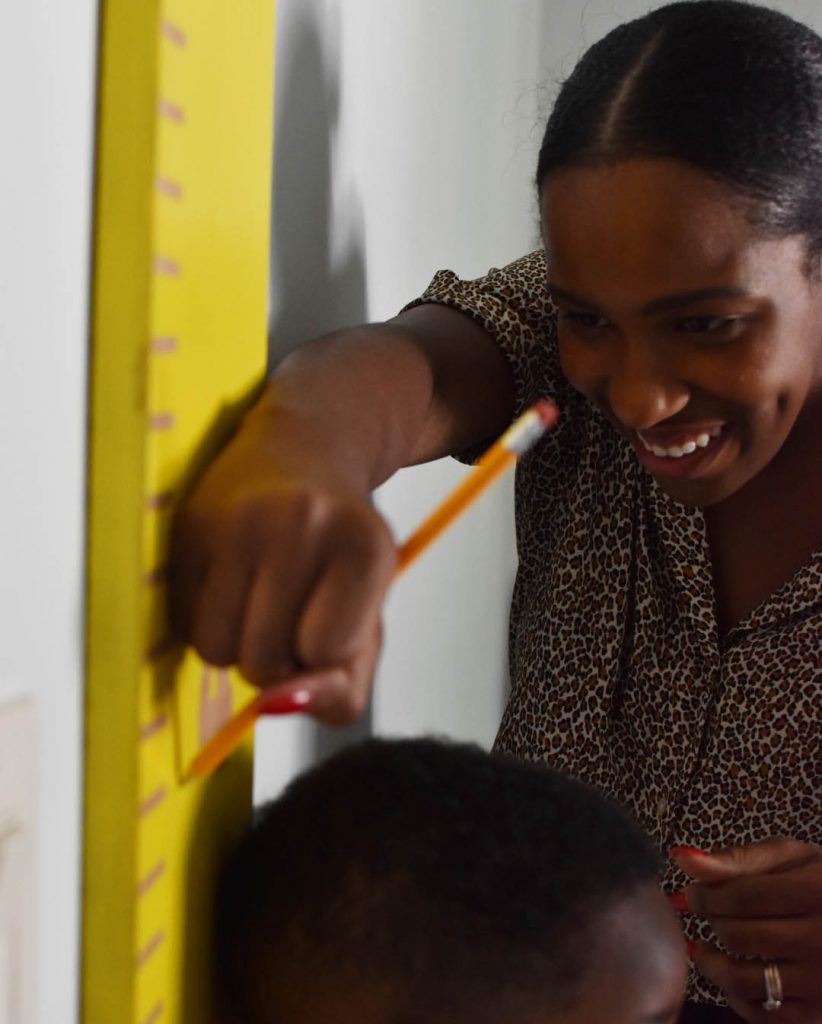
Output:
x=317 y=283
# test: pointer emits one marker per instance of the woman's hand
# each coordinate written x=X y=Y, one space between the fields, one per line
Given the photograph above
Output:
x=280 y=567
x=764 y=901
x=279 y=563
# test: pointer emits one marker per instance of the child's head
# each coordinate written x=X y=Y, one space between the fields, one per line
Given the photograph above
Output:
x=424 y=882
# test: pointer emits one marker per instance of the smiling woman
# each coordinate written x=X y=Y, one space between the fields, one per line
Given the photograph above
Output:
x=667 y=618
x=709 y=332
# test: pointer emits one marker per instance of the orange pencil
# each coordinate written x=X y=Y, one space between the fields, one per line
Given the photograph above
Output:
x=519 y=437
x=516 y=440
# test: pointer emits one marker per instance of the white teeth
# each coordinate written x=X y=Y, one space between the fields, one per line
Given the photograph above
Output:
x=677 y=451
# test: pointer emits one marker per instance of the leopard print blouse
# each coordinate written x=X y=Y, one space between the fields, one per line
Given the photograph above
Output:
x=618 y=675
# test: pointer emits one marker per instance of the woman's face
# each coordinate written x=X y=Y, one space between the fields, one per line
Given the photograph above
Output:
x=699 y=340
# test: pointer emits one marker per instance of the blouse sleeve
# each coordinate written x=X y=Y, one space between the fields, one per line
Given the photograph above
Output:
x=513 y=305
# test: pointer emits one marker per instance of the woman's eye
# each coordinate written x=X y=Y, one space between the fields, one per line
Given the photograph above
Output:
x=587 y=320
x=707 y=324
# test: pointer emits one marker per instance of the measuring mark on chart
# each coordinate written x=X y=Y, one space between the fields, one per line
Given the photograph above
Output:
x=161 y=420
x=174 y=34
x=152 y=728
x=152 y=801
x=156 y=576
x=165 y=266
x=160 y=500
x=148 y=881
x=164 y=343
x=171 y=111
x=150 y=948
x=169 y=187
x=155 y=1014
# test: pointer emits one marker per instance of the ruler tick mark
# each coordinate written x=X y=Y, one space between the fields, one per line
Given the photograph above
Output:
x=160 y=500
x=174 y=34
x=147 y=882
x=167 y=267
x=161 y=420
x=152 y=728
x=164 y=343
x=152 y=800
x=156 y=575
x=171 y=111
x=155 y=1014
x=150 y=947
x=169 y=187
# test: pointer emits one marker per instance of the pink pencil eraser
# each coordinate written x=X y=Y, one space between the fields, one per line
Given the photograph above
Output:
x=547 y=411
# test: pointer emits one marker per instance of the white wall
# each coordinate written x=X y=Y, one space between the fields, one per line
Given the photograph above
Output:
x=47 y=66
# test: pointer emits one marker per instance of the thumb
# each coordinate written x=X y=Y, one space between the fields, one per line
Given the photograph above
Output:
x=760 y=858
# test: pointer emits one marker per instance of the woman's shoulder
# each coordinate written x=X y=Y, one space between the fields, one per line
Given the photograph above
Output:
x=515 y=293
x=513 y=305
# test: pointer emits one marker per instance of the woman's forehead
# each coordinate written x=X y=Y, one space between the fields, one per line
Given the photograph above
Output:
x=658 y=195
x=658 y=220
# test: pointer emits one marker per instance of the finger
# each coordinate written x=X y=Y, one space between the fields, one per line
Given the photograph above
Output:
x=342 y=696
x=771 y=939
x=794 y=892
x=215 y=631
x=342 y=613
x=775 y=854
x=335 y=696
x=267 y=649
x=743 y=983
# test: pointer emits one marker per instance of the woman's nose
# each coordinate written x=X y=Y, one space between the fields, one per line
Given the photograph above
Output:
x=643 y=391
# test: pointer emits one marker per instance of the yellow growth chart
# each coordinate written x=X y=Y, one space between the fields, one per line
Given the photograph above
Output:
x=179 y=342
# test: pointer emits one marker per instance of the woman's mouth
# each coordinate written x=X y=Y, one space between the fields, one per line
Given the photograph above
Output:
x=686 y=447
x=680 y=453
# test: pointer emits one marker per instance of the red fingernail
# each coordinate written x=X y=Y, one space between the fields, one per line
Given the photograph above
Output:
x=678 y=901
x=286 y=703
x=691 y=949
x=692 y=850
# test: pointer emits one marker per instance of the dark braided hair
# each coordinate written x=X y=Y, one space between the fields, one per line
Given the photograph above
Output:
x=729 y=87
x=469 y=883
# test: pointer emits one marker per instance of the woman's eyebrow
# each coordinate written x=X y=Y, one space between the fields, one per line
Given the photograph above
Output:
x=570 y=298
x=668 y=302
x=661 y=305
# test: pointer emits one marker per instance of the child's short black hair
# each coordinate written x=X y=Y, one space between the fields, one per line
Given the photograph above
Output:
x=465 y=883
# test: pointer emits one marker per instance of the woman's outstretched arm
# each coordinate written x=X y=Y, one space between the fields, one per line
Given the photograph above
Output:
x=279 y=562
